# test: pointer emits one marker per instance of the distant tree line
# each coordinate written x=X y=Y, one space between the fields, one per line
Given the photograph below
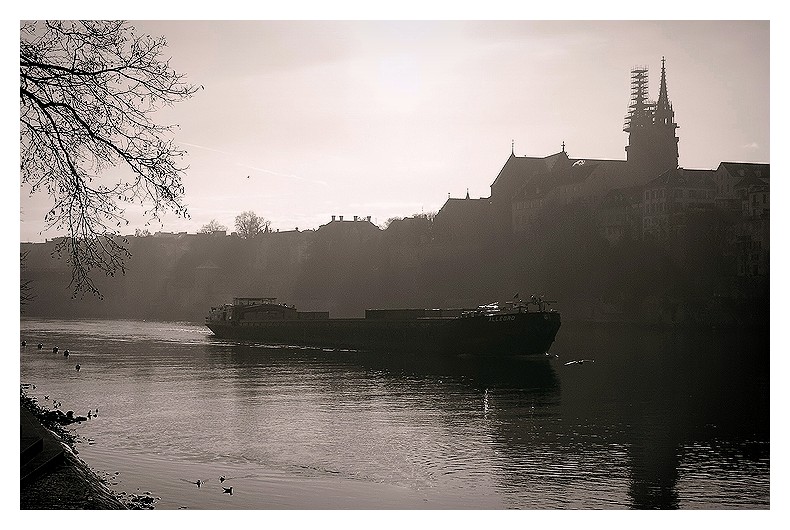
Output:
x=689 y=278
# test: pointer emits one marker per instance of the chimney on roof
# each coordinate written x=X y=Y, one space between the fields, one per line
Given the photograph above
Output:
x=355 y=218
x=368 y=218
x=333 y=217
x=341 y=217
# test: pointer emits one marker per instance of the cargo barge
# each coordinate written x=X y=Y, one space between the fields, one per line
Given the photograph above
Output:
x=512 y=328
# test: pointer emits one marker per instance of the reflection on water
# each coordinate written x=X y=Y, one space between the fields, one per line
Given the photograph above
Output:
x=658 y=420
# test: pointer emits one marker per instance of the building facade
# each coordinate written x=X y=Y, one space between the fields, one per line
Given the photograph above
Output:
x=668 y=200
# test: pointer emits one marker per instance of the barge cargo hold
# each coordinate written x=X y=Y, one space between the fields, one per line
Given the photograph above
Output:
x=513 y=328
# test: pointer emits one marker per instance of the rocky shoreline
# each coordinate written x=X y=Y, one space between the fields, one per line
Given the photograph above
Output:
x=71 y=484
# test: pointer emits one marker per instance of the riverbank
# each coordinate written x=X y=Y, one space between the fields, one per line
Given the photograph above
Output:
x=52 y=475
x=70 y=485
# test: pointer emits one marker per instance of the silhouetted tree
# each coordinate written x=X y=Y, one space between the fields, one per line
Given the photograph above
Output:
x=25 y=287
x=212 y=226
x=249 y=225
x=87 y=93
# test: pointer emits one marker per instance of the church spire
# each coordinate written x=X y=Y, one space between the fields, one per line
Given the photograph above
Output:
x=664 y=114
x=662 y=91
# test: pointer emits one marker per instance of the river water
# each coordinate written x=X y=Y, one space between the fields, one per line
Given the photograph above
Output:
x=654 y=419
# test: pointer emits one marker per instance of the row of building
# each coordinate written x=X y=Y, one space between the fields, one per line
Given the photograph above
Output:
x=644 y=196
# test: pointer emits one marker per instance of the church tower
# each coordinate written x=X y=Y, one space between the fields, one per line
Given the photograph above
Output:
x=652 y=143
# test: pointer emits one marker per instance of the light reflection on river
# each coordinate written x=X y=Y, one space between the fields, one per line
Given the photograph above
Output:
x=659 y=420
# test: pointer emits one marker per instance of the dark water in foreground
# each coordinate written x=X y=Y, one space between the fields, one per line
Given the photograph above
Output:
x=658 y=420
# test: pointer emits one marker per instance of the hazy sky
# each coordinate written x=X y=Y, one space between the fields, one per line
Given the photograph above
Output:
x=302 y=120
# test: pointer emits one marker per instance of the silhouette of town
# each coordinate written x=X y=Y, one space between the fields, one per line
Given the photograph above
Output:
x=639 y=240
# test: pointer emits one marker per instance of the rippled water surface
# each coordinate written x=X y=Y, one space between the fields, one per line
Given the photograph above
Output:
x=654 y=420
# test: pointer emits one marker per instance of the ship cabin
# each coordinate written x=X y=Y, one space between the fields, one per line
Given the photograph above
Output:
x=265 y=311
x=247 y=310
x=241 y=301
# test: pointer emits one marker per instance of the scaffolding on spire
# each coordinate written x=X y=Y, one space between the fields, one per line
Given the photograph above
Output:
x=640 y=110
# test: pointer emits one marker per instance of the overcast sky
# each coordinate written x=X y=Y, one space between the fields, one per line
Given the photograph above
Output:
x=301 y=120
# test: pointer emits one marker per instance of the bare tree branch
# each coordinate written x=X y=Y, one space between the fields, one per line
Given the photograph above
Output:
x=88 y=90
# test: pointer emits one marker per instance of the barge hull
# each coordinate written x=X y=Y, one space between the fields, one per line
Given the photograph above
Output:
x=510 y=334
